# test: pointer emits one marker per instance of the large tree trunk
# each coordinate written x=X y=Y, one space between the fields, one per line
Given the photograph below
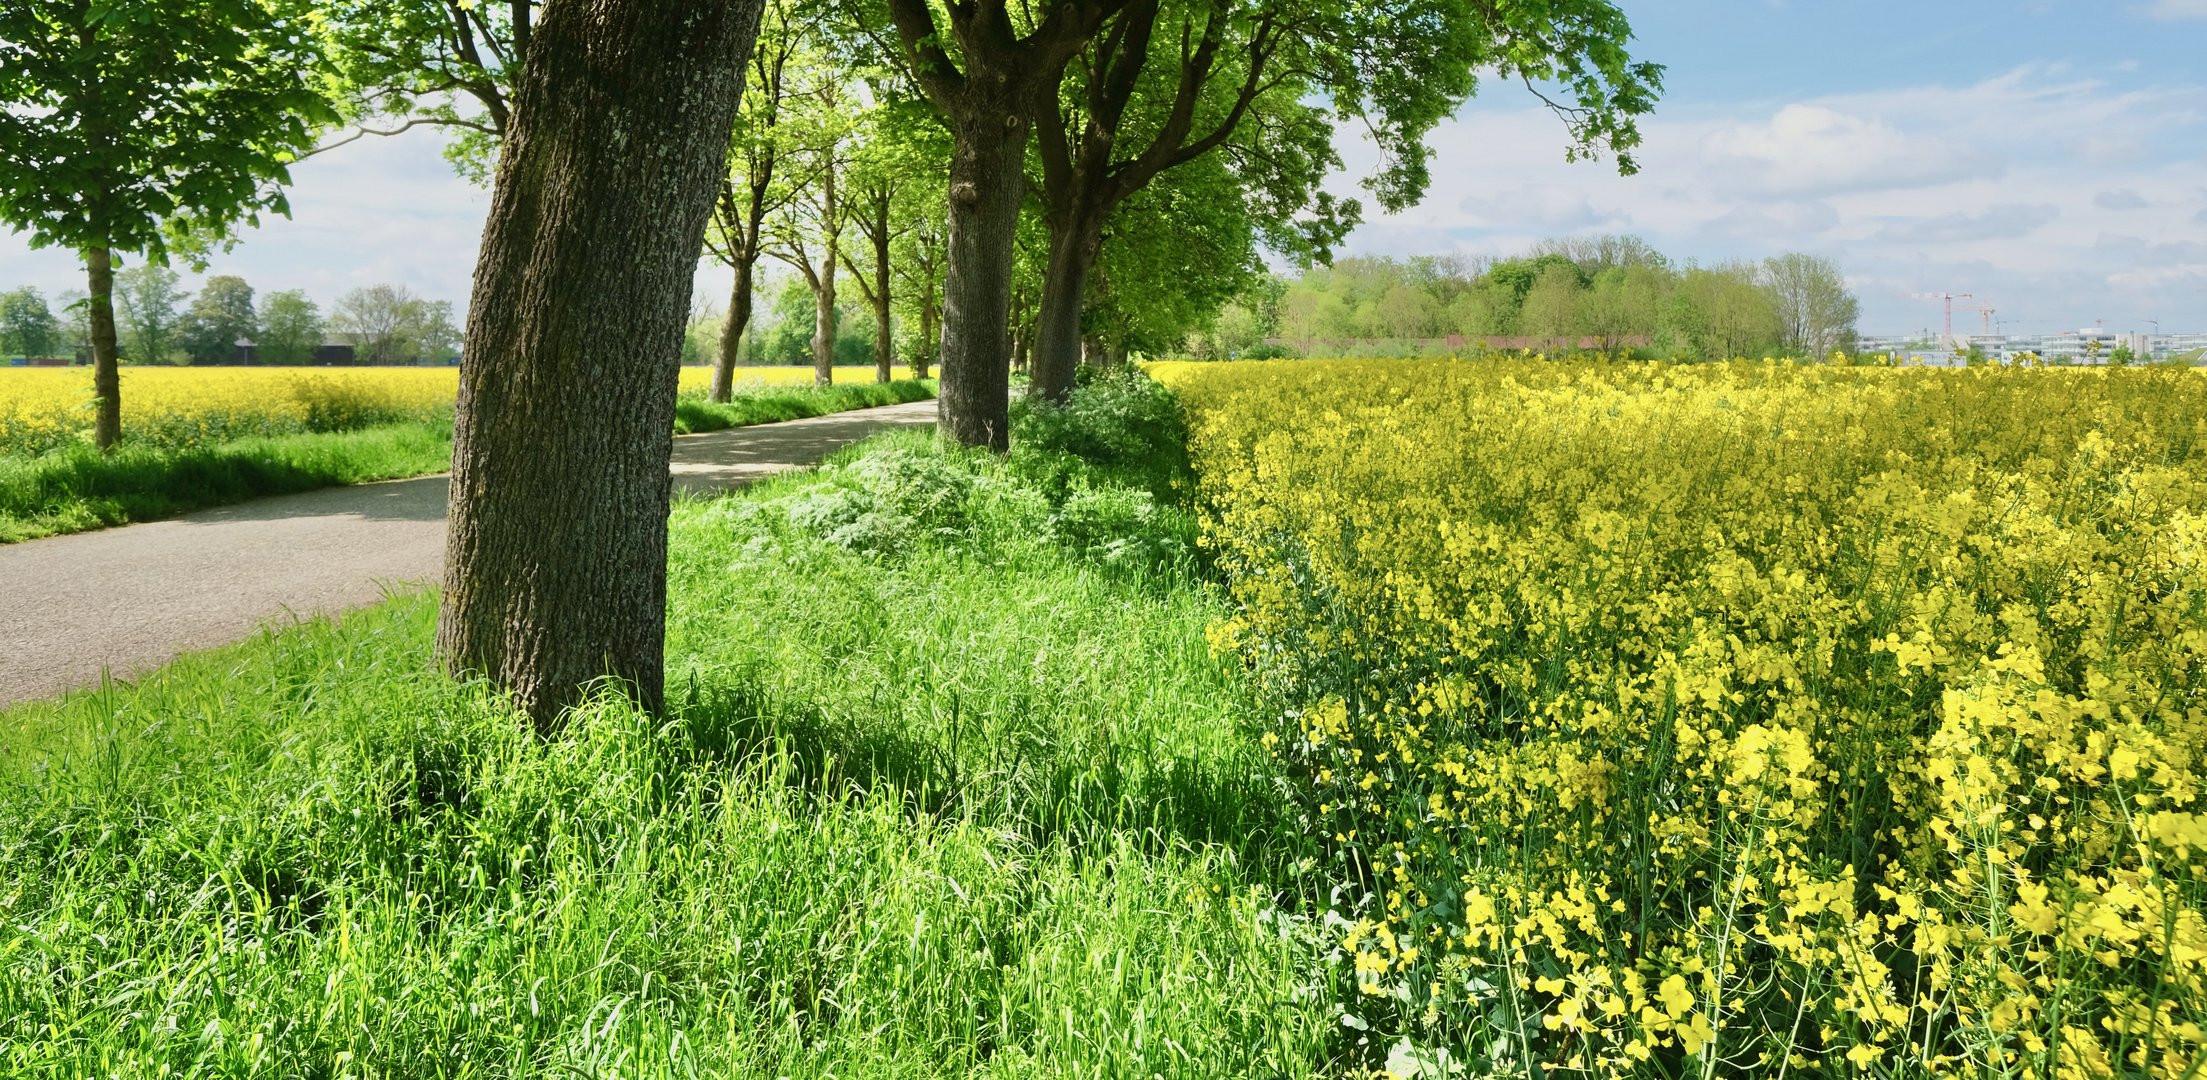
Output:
x=987 y=179
x=556 y=559
x=1074 y=243
x=731 y=334
x=107 y=383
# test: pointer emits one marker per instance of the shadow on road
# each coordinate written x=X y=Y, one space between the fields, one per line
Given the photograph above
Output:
x=421 y=499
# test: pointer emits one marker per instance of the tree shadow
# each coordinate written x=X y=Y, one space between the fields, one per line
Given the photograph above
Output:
x=1044 y=795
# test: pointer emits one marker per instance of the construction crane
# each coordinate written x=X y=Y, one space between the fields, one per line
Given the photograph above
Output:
x=1988 y=313
x=1949 y=299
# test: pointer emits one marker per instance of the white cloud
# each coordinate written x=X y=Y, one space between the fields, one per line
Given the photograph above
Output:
x=2178 y=9
x=1961 y=227
x=375 y=211
x=1543 y=208
x=2120 y=199
x=1818 y=150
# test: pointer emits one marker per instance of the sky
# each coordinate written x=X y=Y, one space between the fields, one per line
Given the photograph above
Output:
x=2048 y=157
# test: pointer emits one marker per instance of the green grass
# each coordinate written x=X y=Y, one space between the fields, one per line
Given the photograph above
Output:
x=940 y=793
x=693 y=414
x=77 y=488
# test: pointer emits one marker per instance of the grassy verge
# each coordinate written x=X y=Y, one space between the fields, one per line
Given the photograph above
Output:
x=694 y=414
x=950 y=786
x=77 y=488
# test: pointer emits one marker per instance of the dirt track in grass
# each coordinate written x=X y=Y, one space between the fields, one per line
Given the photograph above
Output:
x=125 y=601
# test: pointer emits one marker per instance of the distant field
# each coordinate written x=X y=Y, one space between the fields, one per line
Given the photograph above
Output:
x=43 y=409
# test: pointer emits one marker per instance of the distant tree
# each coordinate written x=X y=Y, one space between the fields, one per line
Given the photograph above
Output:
x=148 y=299
x=432 y=330
x=1595 y=254
x=895 y=175
x=291 y=328
x=1553 y=308
x=1816 y=313
x=757 y=185
x=2122 y=355
x=27 y=325
x=74 y=310
x=1486 y=310
x=917 y=257
x=146 y=126
x=807 y=233
x=1721 y=313
x=1520 y=275
x=382 y=320
x=1625 y=302
x=220 y=316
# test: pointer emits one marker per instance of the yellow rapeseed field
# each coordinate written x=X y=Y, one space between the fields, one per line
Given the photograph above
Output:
x=44 y=408
x=1750 y=720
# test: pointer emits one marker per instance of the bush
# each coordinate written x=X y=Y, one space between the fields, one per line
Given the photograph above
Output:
x=1117 y=428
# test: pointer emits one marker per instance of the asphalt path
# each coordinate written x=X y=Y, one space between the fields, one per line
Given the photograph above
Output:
x=124 y=601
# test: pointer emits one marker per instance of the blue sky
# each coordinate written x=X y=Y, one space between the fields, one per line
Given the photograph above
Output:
x=2049 y=157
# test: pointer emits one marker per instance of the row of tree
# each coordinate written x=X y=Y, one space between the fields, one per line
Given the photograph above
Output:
x=1177 y=129
x=157 y=322
x=1607 y=292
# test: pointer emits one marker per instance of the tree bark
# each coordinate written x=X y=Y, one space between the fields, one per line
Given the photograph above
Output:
x=885 y=354
x=987 y=180
x=731 y=334
x=930 y=336
x=823 y=288
x=1074 y=243
x=107 y=383
x=556 y=557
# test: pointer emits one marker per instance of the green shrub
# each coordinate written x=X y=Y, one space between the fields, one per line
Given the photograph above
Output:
x=1117 y=428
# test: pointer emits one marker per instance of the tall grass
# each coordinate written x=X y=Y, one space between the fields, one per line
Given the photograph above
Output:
x=943 y=791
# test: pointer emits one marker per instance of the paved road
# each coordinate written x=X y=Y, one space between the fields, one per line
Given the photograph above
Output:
x=128 y=600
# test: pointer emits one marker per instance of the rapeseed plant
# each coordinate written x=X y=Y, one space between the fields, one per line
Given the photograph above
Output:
x=47 y=408
x=1763 y=719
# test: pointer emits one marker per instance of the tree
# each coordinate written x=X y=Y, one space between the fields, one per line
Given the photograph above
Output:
x=917 y=259
x=756 y=185
x=75 y=327
x=807 y=233
x=291 y=328
x=143 y=126
x=1816 y=313
x=898 y=151
x=27 y=325
x=431 y=328
x=381 y=320
x=1721 y=313
x=989 y=94
x=556 y=557
x=1277 y=68
x=1626 y=301
x=402 y=64
x=1552 y=310
x=149 y=297
x=1595 y=254
x=220 y=316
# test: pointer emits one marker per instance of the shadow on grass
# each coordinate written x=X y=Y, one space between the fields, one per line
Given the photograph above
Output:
x=1037 y=790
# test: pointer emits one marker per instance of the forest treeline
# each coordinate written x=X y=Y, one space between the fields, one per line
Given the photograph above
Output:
x=1600 y=292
